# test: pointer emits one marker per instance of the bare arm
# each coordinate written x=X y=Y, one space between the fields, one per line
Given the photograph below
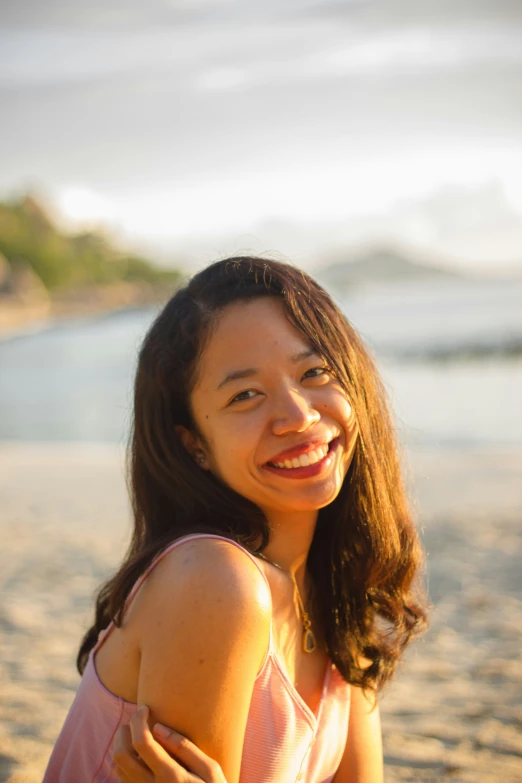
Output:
x=362 y=760
x=204 y=629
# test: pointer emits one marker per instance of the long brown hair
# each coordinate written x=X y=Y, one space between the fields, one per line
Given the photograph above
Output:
x=365 y=558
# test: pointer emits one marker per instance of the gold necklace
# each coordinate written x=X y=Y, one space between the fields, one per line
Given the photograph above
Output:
x=309 y=643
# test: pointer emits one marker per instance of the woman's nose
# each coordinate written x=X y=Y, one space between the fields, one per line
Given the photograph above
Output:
x=293 y=412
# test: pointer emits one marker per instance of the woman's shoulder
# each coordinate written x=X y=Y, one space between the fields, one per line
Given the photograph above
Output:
x=204 y=567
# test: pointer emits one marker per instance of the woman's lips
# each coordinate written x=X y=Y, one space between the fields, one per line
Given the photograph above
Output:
x=303 y=448
x=306 y=471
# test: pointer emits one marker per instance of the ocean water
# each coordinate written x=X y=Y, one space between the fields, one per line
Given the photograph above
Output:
x=450 y=355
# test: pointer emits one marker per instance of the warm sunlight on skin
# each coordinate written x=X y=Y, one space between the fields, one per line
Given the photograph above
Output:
x=250 y=420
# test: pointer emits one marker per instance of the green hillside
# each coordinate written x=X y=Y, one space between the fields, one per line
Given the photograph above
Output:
x=63 y=261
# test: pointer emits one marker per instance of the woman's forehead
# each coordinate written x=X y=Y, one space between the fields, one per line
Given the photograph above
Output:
x=248 y=323
x=251 y=332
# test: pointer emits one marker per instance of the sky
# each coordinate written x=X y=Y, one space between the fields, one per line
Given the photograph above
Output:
x=196 y=129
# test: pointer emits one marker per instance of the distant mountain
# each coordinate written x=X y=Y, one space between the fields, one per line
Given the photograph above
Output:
x=380 y=265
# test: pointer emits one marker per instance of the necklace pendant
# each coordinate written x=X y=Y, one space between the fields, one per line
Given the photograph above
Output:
x=308 y=641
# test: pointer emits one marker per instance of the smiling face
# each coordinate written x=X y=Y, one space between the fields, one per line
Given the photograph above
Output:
x=261 y=390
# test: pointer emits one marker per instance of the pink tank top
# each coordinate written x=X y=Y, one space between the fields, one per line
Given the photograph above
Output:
x=284 y=741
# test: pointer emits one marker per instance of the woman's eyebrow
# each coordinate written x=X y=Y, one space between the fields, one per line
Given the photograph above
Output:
x=248 y=372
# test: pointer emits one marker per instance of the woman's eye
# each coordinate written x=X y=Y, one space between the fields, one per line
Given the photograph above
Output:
x=238 y=397
x=322 y=370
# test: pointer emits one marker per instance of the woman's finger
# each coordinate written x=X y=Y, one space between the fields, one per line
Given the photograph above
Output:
x=165 y=768
x=191 y=765
x=128 y=766
x=206 y=768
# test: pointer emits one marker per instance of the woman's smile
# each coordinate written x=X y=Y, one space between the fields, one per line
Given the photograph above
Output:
x=307 y=465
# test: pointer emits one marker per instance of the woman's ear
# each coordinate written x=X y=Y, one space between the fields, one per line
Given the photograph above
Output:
x=191 y=443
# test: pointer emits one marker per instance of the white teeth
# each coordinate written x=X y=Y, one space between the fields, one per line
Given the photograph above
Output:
x=310 y=458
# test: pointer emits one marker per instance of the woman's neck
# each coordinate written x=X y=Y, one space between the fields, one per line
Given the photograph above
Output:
x=289 y=546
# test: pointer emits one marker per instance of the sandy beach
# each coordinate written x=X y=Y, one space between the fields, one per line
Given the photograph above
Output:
x=453 y=712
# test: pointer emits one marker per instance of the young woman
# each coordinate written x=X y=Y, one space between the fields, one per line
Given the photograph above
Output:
x=272 y=581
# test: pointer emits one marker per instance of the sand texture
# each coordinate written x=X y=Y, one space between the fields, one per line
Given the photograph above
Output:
x=453 y=712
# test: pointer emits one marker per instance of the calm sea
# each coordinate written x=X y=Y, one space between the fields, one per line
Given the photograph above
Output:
x=450 y=354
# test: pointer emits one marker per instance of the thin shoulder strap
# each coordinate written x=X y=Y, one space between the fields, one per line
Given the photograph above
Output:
x=103 y=634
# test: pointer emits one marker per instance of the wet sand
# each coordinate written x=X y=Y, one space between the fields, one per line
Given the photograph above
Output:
x=453 y=711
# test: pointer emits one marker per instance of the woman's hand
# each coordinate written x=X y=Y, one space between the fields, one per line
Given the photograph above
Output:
x=141 y=757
